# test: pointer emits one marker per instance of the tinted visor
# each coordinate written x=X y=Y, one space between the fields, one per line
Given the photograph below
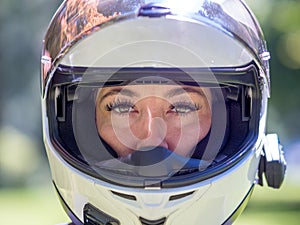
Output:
x=153 y=126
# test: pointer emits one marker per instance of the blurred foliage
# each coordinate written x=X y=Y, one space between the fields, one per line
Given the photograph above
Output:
x=19 y=165
x=280 y=21
x=272 y=206
x=22 y=26
x=38 y=206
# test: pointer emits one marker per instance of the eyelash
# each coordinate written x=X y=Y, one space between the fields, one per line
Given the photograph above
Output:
x=189 y=106
x=178 y=107
x=118 y=104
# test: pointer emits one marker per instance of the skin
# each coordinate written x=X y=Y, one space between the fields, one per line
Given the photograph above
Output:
x=136 y=116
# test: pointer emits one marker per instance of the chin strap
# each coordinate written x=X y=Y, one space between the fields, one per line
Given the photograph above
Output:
x=272 y=162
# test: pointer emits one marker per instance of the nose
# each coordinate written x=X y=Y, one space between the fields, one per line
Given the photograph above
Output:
x=150 y=128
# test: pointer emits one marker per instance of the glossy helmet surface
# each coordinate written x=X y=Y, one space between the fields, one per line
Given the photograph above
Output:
x=126 y=52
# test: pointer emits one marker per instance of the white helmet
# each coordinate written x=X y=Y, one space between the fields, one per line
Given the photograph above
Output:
x=154 y=112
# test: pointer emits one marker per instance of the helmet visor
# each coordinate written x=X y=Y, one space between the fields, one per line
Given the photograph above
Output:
x=151 y=126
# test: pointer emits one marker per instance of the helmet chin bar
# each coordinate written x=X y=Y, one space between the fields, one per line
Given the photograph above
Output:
x=272 y=162
x=94 y=216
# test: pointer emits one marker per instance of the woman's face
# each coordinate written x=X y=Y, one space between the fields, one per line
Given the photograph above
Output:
x=172 y=116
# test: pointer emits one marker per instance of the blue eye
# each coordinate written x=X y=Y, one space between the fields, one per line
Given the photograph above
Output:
x=120 y=107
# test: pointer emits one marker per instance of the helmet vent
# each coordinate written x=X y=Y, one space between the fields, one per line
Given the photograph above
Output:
x=176 y=197
x=152 y=222
x=122 y=195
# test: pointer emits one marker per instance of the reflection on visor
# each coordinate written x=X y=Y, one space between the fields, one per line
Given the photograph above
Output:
x=149 y=125
x=152 y=130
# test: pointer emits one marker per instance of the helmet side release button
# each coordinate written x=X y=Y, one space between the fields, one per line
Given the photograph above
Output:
x=154 y=10
x=272 y=162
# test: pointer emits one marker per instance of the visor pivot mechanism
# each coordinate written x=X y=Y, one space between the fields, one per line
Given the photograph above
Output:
x=272 y=162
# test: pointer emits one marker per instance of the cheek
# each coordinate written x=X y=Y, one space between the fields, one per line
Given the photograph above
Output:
x=107 y=132
x=116 y=132
x=109 y=135
x=205 y=125
x=184 y=135
x=182 y=141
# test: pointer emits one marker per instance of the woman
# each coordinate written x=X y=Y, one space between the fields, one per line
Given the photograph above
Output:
x=137 y=116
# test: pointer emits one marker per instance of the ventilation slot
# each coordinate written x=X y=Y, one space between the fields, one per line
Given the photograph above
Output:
x=176 y=197
x=152 y=222
x=129 y=197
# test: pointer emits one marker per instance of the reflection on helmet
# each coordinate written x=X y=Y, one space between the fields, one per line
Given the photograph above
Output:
x=154 y=107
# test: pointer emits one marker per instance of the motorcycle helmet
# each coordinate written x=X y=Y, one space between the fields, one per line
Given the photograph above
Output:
x=154 y=111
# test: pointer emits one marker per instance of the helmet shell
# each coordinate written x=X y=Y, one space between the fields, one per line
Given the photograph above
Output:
x=221 y=35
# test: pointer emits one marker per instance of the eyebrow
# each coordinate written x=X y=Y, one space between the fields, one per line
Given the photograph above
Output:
x=119 y=91
x=183 y=90
x=171 y=93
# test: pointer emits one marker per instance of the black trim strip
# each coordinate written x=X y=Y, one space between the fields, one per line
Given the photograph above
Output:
x=72 y=216
x=240 y=208
x=153 y=222
x=122 y=76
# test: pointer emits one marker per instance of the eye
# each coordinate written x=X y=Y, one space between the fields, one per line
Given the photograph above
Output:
x=120 y=106
x=184 y=107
